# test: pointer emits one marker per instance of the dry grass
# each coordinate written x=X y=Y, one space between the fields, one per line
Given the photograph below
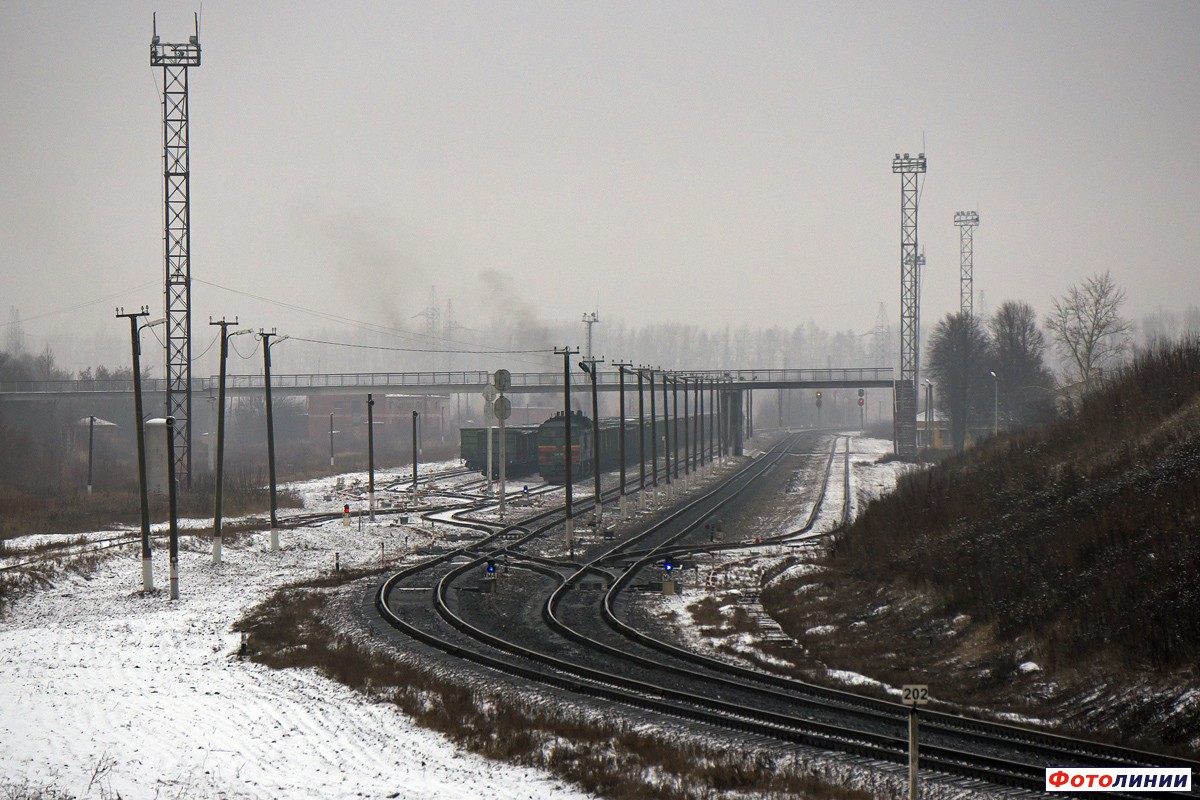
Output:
x=25 y=511
x=1073 y=547
x=602 y=755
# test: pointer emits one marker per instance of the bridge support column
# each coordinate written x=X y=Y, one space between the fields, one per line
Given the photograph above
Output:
x=737 y=421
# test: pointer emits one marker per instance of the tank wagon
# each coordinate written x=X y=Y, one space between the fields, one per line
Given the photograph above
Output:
x=520 y=449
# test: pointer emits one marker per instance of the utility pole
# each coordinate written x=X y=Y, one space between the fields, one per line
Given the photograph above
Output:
x=641 y=443
x=371 y=455
x=175 y=60
x=621 y=365
x=589 y=366
x=687 y=443
x=909 y=168
x=139 y=423
x=415 y=455
x=173 y=512
x=566 y=353
x=675 y=421
x=267 y=343
x=653 y=436
x=967 y=222
x=666 y=435
x=224 y=325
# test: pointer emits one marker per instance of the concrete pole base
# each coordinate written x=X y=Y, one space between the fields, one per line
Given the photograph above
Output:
x=274 y=540
x=147 y=575
x=174 y=581
x=216 y=550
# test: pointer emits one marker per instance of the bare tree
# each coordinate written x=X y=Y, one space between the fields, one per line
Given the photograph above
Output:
x=1088 y=328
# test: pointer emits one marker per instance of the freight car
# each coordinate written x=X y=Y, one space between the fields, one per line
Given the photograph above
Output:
x=520 y=449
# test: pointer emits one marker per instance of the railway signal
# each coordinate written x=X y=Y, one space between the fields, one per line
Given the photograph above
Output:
x=491 y=566
x=818 y=398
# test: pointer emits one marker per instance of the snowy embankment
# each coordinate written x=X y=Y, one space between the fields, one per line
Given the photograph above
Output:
x=108 y=692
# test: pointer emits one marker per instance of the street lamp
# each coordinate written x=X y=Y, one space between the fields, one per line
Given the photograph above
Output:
x=995 y=404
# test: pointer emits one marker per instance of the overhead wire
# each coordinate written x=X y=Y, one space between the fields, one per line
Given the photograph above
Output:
x=370 y=326
x=77 y=306
x=415 y=349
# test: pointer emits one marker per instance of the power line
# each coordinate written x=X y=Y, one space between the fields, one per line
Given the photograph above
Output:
x=77 y=306
x=417 y=350
x=371 y=326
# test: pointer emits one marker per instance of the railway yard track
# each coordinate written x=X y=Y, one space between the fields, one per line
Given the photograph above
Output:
x=517 y=600
x=574 y=620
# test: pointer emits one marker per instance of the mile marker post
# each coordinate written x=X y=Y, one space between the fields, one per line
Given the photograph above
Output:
x=913 y=695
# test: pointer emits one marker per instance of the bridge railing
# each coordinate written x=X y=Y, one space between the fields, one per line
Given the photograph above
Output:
x=459 y=380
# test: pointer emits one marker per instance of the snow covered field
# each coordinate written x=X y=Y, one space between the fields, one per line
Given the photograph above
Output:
x=107 y=691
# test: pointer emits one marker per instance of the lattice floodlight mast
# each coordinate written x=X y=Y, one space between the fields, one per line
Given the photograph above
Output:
x=908 y=168
x=175 y=59
x=967 y=222
x=590 y=319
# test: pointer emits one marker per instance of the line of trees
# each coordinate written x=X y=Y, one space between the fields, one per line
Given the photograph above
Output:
x=994 y=371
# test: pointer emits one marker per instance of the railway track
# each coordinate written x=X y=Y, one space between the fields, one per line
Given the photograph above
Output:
x=563 y=622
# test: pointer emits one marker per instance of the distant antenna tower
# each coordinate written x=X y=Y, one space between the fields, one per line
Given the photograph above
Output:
x=967 y=222
x=175 y=59
x=908 y=168
x=590 y=320
x=433 y=316
x=451 y=326
x=16 y=333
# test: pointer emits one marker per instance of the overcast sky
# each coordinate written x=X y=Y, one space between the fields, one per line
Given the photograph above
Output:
x=725 y=163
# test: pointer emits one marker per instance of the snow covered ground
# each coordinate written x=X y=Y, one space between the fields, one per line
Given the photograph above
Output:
x=107 y=692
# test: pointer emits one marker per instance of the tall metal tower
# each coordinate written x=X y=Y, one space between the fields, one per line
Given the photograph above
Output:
x=175 y=59
x=882 y=342
x=590 y=320
x=967 y=222
x=908 y=168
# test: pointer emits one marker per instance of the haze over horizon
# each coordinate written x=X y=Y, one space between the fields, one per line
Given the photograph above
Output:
x=664 y=162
